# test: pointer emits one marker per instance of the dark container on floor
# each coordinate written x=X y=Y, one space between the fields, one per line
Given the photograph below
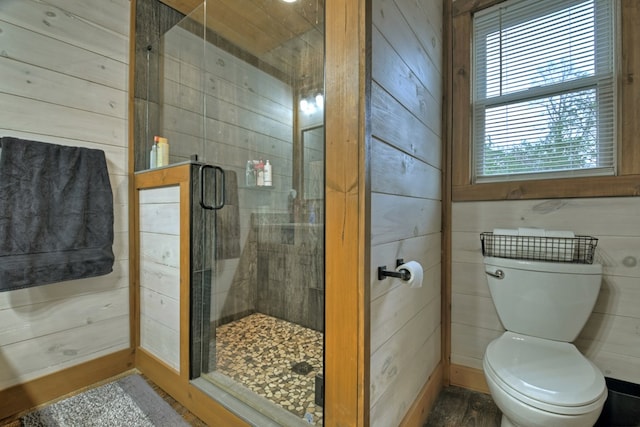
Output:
x=622 y=408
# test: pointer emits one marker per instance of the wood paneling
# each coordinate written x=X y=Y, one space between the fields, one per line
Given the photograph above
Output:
x=159 y=248
x=64 y=68
x=273 y=32
x=421 y=408
x=469 y=378
x=608 y=339
x=163 y=206
x=406 y=193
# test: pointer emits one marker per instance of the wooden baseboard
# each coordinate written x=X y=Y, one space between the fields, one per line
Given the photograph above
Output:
x=419 y=410
x=189 y=396
x=470 y=378
x=25 y=396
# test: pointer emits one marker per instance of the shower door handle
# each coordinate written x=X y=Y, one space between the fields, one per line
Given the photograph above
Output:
x=219 y=202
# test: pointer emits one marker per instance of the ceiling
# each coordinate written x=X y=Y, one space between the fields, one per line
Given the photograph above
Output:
x=287 y=36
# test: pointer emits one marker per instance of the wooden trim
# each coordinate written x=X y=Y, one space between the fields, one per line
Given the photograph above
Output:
x=627 y=183
x=607 y=186
x=163 y=177
x=419 y=410
x=185 y=274
x=134 y=262
x=346 y=251
x=189 y=396
x=447 y=126
x=460 y=99
x=630 y=88
x=179 y=175
x=471 y=378
x=460 y=7
x=30 y=394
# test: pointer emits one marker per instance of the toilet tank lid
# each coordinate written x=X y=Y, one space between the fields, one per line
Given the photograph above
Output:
x=550 y=267
x=548 y=371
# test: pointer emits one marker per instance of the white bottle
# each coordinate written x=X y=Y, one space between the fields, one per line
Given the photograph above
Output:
x=153 y=157
x=268 y=180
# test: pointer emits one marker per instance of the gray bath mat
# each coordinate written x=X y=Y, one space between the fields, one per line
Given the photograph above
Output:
x=129 y=401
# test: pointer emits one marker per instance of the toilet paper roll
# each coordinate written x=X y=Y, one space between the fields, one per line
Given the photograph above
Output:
x=415 y=269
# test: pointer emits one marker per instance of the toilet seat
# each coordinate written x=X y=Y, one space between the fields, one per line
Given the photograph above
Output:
x=549 y=375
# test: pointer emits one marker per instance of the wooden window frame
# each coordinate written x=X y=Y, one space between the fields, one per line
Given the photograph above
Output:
x=627 y=180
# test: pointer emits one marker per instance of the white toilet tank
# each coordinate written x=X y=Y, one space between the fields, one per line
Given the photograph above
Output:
x=543 y=299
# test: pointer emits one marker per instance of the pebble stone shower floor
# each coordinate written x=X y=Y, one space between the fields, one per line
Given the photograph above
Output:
x=259 y=352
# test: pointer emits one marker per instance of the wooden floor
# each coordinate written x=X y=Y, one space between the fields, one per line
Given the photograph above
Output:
x=459 y=407
x=455 y=407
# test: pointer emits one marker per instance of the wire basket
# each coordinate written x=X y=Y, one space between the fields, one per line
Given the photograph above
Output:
x=577 y=250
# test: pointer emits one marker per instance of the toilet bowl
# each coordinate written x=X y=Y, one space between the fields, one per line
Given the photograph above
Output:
x=535 y=375
x=543 y=383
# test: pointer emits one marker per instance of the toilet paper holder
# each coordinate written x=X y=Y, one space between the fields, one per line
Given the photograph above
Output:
x=403 y=274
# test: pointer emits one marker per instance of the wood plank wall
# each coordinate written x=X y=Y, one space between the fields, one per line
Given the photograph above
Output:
x=160 y=273
x=406 y=179
x=610 y=338
x=64 y=67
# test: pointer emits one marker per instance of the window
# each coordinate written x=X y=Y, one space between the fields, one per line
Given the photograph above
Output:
x=544 y=86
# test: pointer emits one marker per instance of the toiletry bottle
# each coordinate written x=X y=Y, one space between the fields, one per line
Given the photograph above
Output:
x=153 y=158
x=249 y=175
x=260 y=179
x=163 y=152
x=268 y=177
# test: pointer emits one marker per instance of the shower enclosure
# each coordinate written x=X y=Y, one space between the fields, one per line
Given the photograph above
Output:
x=237 y=88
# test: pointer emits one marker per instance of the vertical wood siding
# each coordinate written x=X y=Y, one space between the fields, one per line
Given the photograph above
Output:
x=64 y=68
x=610 y=339
x=406 y=181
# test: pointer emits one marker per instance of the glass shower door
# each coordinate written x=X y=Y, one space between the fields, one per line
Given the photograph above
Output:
x=258 y=260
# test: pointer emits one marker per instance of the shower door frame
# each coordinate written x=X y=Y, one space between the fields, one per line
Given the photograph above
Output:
x=347 y=225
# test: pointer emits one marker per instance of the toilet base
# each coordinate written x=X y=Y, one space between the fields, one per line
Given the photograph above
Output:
x=506 y=422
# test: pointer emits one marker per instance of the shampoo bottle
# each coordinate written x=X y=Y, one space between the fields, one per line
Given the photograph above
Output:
x=268 y=180
x=163 y=152
x=260 y=178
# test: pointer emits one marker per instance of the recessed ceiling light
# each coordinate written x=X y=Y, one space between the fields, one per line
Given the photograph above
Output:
x=289 y=1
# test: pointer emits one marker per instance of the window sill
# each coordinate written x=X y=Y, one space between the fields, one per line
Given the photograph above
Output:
x=611 y=186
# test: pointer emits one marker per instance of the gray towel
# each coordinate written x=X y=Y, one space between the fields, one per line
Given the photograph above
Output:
x=56 y=214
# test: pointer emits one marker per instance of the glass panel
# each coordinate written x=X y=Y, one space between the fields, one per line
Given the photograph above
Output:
x=247 y=99
x=171 y=83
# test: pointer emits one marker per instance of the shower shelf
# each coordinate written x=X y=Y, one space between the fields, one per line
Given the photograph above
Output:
x=577 y=250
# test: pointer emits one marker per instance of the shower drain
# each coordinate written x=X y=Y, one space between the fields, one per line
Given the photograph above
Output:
x=302 y=368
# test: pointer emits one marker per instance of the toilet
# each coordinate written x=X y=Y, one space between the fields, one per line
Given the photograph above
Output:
x=536 y=376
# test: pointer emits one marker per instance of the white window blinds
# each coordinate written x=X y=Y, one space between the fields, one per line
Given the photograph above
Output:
x=544 y=90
